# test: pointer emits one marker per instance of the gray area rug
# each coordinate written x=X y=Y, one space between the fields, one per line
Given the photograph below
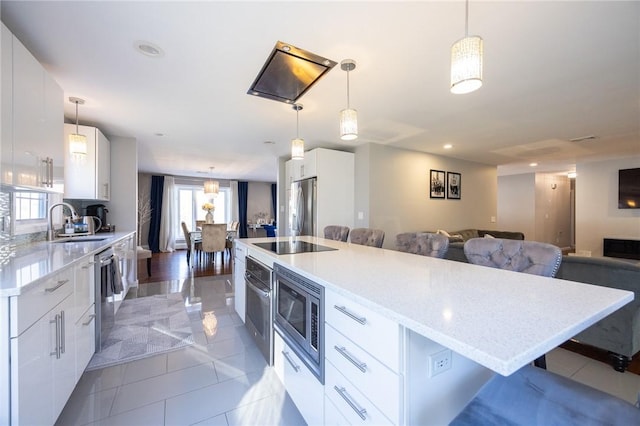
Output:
x=143 y=327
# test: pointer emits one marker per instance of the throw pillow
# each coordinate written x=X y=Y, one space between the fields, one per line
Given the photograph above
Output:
x=489 y=236
x=456 y=238
x=443 y=232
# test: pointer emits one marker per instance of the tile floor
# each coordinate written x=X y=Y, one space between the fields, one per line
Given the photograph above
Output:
x=223 y=379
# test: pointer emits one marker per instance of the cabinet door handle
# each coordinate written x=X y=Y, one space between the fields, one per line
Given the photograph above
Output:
x=62 y=334
x=57 y=286
x=91 y=317
x=56 y=351
x=362 y=366
x=361 y=320
x=106 y=190
x=359 y=411
x=293 y=364
x=50 y=164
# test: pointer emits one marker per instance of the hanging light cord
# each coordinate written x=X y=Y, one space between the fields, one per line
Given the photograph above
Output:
x=348 y=107
x=466 y=19
x=297 y=122
x=76 y=117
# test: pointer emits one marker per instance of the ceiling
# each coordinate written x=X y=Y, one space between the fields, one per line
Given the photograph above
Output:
x=553 y=71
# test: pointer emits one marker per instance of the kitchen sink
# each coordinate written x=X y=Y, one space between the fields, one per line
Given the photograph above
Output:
x=79 y=239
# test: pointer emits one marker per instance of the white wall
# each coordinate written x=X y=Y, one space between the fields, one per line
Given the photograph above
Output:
x=123 y=205
x=259 y=201
x=597 y=213
x=553 y=209
x=396 y=183
x=516 y=204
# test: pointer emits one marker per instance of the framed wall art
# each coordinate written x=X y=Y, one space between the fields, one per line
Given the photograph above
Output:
x=437 y=184
x=453 y=185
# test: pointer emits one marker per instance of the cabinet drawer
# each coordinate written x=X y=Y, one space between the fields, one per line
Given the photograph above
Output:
x=303 y=387
x=85 y=331
x=377 y=382
x=351 y=403
x=239 y=253
x=371 y=331
x=333 y=416
x=84 y=286
x=27 y=308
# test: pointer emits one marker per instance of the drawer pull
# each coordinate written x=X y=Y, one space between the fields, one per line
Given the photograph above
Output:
x=91 y=317
x=362 y=366
x=361 y=320
x=57 y=286
x=293 y=364
x=88 y=265
x=359 y=411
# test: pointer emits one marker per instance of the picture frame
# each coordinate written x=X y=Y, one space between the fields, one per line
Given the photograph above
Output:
x=454 y=187
x=437 y=188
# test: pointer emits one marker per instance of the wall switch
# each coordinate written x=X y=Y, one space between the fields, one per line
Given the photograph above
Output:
x=360 y=215
x=439 y=362
x=493 y=219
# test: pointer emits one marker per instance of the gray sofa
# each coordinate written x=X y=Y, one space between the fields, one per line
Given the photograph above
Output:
x=618 y=333
x=458 y=238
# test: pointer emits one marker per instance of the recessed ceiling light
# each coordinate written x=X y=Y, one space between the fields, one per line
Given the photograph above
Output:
x=448 y=146
x=148 y=49
x=533 y=164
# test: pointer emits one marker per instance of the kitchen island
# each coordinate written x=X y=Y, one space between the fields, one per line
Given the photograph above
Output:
x=493 y=321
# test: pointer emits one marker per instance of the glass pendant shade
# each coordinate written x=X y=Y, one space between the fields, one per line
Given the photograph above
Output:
x=211 y=187
x=466 y=65
x=77 y=144
x=297 y=149
x=348 y=124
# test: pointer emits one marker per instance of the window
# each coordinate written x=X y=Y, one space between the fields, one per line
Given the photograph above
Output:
x=190 y=201
x=31 y=205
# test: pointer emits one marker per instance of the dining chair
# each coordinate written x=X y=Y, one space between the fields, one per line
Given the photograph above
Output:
x=530 y=257
x=423 y=243
x=187 y=239
x=367 y=237
x=214 y=238
x=270 y=230
x=336 y=232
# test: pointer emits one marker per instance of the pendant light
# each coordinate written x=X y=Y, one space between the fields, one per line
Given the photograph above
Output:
x=466 y=61
x=297 y=144
x=77 y=142
x=211 y=186
x=348 y=117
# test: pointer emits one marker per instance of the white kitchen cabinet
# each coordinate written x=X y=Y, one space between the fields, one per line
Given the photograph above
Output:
x=88 y=177
x=302 y=386
x=238 y=280
x=363 y=378
x=43 y=372
x=84 y=314
x=33 y=110
x=335 y=186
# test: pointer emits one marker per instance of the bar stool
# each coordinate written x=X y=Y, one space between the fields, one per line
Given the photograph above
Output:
x=423 y=243
x=367 y=237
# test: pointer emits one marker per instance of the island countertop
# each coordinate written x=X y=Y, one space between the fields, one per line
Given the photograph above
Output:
x=34 y=262
x=499 y=319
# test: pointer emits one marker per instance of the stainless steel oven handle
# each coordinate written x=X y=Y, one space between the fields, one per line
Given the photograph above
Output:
x=361 y=320
x=293 y=364
x=262 y=292
x=362 y=366
x=359 y=411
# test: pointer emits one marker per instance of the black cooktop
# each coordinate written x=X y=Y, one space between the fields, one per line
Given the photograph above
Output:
x=293 y=247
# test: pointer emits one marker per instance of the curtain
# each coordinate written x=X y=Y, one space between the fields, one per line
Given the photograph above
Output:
x=157 y=187
x=274 y=201
x=243 y=189
x=167 y=240
x=235 y=215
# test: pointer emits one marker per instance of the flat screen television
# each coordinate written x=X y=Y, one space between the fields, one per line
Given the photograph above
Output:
x=629 y=189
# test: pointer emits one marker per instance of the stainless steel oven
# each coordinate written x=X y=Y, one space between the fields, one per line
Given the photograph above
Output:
x=258 y=310
x=299 y=317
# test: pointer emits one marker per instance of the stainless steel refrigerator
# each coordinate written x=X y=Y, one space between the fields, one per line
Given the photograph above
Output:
x=304 y=211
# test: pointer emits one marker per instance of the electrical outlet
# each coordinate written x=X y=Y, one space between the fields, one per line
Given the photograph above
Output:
x=439 y=362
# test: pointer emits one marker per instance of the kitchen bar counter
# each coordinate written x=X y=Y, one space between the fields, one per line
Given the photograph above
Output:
x=499 y=319
x=34 y=262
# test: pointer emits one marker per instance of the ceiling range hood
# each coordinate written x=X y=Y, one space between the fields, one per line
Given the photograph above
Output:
x=288 y=73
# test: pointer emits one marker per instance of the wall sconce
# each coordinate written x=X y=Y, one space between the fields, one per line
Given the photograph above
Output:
x=297 y=144
x=348 y=117
x=77 y=142
x=466 y=61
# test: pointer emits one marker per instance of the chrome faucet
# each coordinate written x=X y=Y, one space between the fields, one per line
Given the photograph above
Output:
x=51 y=234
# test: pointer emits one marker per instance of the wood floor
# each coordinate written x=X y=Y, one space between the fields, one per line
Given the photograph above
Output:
x=173 y=266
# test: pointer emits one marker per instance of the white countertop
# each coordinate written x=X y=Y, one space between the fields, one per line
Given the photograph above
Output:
x=34 y=262
x=500 y=319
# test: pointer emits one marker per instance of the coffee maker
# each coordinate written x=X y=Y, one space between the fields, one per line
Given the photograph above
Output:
x=100 y=211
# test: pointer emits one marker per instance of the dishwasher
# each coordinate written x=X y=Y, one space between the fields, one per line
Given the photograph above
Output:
x=108 y=290
x=259 y=315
